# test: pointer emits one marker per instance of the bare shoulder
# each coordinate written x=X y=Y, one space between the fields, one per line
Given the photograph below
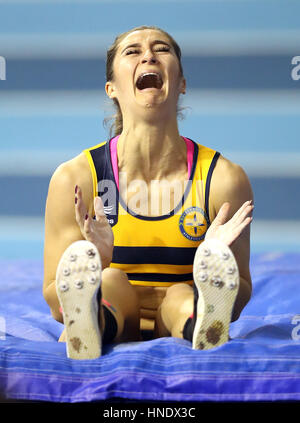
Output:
x=229 y=183
x=66 y=176
x=229 y=172
x=75 y=167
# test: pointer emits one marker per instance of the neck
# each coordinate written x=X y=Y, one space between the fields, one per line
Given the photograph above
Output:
x=151 y=151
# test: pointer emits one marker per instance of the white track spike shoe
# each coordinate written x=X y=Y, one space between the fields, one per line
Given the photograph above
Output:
x=78 y=280
x=216 y=279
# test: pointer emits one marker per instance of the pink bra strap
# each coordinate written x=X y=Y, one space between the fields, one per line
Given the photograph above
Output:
x=190 y=154
x=114 y=158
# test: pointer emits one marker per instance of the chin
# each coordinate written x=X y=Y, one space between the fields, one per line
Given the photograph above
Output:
x=153 y=102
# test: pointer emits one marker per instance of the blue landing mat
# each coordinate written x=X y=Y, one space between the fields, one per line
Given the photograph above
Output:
x=260 y=363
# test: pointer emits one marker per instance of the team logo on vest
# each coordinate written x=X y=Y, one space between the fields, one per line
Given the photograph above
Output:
x=193 y=223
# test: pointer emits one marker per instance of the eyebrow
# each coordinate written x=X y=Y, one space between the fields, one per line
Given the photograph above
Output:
x=139 y=45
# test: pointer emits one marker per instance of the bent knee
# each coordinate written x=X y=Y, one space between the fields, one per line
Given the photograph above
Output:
x=116 y=275
x=178 y=301
x=115 y=284
x=178 y=289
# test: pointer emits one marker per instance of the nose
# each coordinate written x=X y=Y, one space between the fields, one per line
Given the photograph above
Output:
x=149 y=57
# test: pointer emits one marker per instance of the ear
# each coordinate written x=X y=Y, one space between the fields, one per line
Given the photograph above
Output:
x=183 y=86
x=110 y=89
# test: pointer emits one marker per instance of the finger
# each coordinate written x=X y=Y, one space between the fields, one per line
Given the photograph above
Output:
x=87 y=226
x=242 y=211
x=240 y=228
x=238 y=213
x=99 y=210
x=80 y=208
x=247 y=212
x=222 y=215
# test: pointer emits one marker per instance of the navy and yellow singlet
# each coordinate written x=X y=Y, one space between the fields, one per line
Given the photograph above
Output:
x=155 y=251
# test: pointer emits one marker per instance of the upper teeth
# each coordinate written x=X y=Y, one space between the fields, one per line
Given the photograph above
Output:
x=157 y=75
x=149 y=73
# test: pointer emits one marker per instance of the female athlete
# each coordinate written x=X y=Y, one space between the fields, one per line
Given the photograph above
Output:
x=149 y=231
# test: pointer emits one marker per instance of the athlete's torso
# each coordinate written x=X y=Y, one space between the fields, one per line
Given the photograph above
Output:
x=155 y=251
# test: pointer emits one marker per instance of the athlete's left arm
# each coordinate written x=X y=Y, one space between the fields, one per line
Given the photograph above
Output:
x=230 y=184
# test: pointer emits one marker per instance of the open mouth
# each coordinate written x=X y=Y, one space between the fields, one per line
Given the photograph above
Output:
x=149 y=80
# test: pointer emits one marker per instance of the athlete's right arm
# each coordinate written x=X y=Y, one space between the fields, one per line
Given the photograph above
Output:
x=61 y=227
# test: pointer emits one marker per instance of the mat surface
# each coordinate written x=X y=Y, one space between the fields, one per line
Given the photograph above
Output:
x=260 y=363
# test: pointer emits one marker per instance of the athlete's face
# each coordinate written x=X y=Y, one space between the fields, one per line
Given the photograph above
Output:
x=146 y=72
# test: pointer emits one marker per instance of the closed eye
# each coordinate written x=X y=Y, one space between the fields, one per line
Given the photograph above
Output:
x=162 y=48
x=137 y=51
x=132 y=51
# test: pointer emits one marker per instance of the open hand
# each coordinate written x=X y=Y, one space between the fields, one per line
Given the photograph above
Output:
x=228 y=232
x=97 y=231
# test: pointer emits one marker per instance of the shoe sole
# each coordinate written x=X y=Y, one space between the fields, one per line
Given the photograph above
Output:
x=216 y=277
x=78 y=280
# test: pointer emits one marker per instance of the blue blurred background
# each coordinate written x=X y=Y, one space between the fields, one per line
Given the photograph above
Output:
x=241 y=100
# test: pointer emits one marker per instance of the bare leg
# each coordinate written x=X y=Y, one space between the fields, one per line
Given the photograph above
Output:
x=176 y=308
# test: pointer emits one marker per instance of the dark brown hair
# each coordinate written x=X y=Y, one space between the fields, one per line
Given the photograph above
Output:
x=117 y=126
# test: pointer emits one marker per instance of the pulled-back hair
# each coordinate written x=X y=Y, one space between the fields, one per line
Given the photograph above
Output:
x=117 y=125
